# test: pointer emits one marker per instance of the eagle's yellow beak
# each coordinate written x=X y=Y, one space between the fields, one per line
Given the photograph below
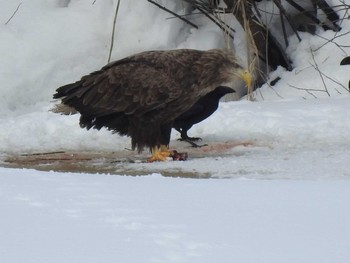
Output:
x=247 y=77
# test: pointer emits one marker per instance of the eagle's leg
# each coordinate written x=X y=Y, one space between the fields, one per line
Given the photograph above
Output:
x=164 y=149
x=159 y=154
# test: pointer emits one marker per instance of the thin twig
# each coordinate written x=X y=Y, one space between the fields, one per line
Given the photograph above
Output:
x=214 y=21
x=287 y=16
x=174 y=14
x=322 y=76
x=203 y=8
x=113 y=31
x=14 y=13
x=336 y=82
x=284 y=30
x=332 y=41
x=315 y=66
x=307 y=90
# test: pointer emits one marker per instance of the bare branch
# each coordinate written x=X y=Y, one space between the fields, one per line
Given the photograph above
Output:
x=113 y=31
x=309 y=91
x=174 y=14
x=332 y=41
x=322 y=76
x=14 y=13
x=315 y=66
x=289 y=19
x=336 y=82
x=216 y=22
x=212 y=14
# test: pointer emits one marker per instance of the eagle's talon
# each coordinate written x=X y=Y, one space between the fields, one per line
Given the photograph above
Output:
x=159 y=155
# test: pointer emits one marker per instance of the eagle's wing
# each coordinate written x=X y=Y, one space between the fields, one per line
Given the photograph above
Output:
x=131 y=87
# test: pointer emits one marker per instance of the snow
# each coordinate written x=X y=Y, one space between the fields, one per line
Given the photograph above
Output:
x=282 y=198
x=51 y=217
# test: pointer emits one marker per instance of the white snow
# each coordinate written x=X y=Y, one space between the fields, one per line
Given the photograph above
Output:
x=282 y=199
x=50 y=217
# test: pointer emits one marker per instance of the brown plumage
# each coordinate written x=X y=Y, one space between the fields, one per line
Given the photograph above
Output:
x=141 y=95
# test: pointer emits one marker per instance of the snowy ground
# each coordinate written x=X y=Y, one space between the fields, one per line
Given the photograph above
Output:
x=284 y=198
x=51 y=217
x=295 y=139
